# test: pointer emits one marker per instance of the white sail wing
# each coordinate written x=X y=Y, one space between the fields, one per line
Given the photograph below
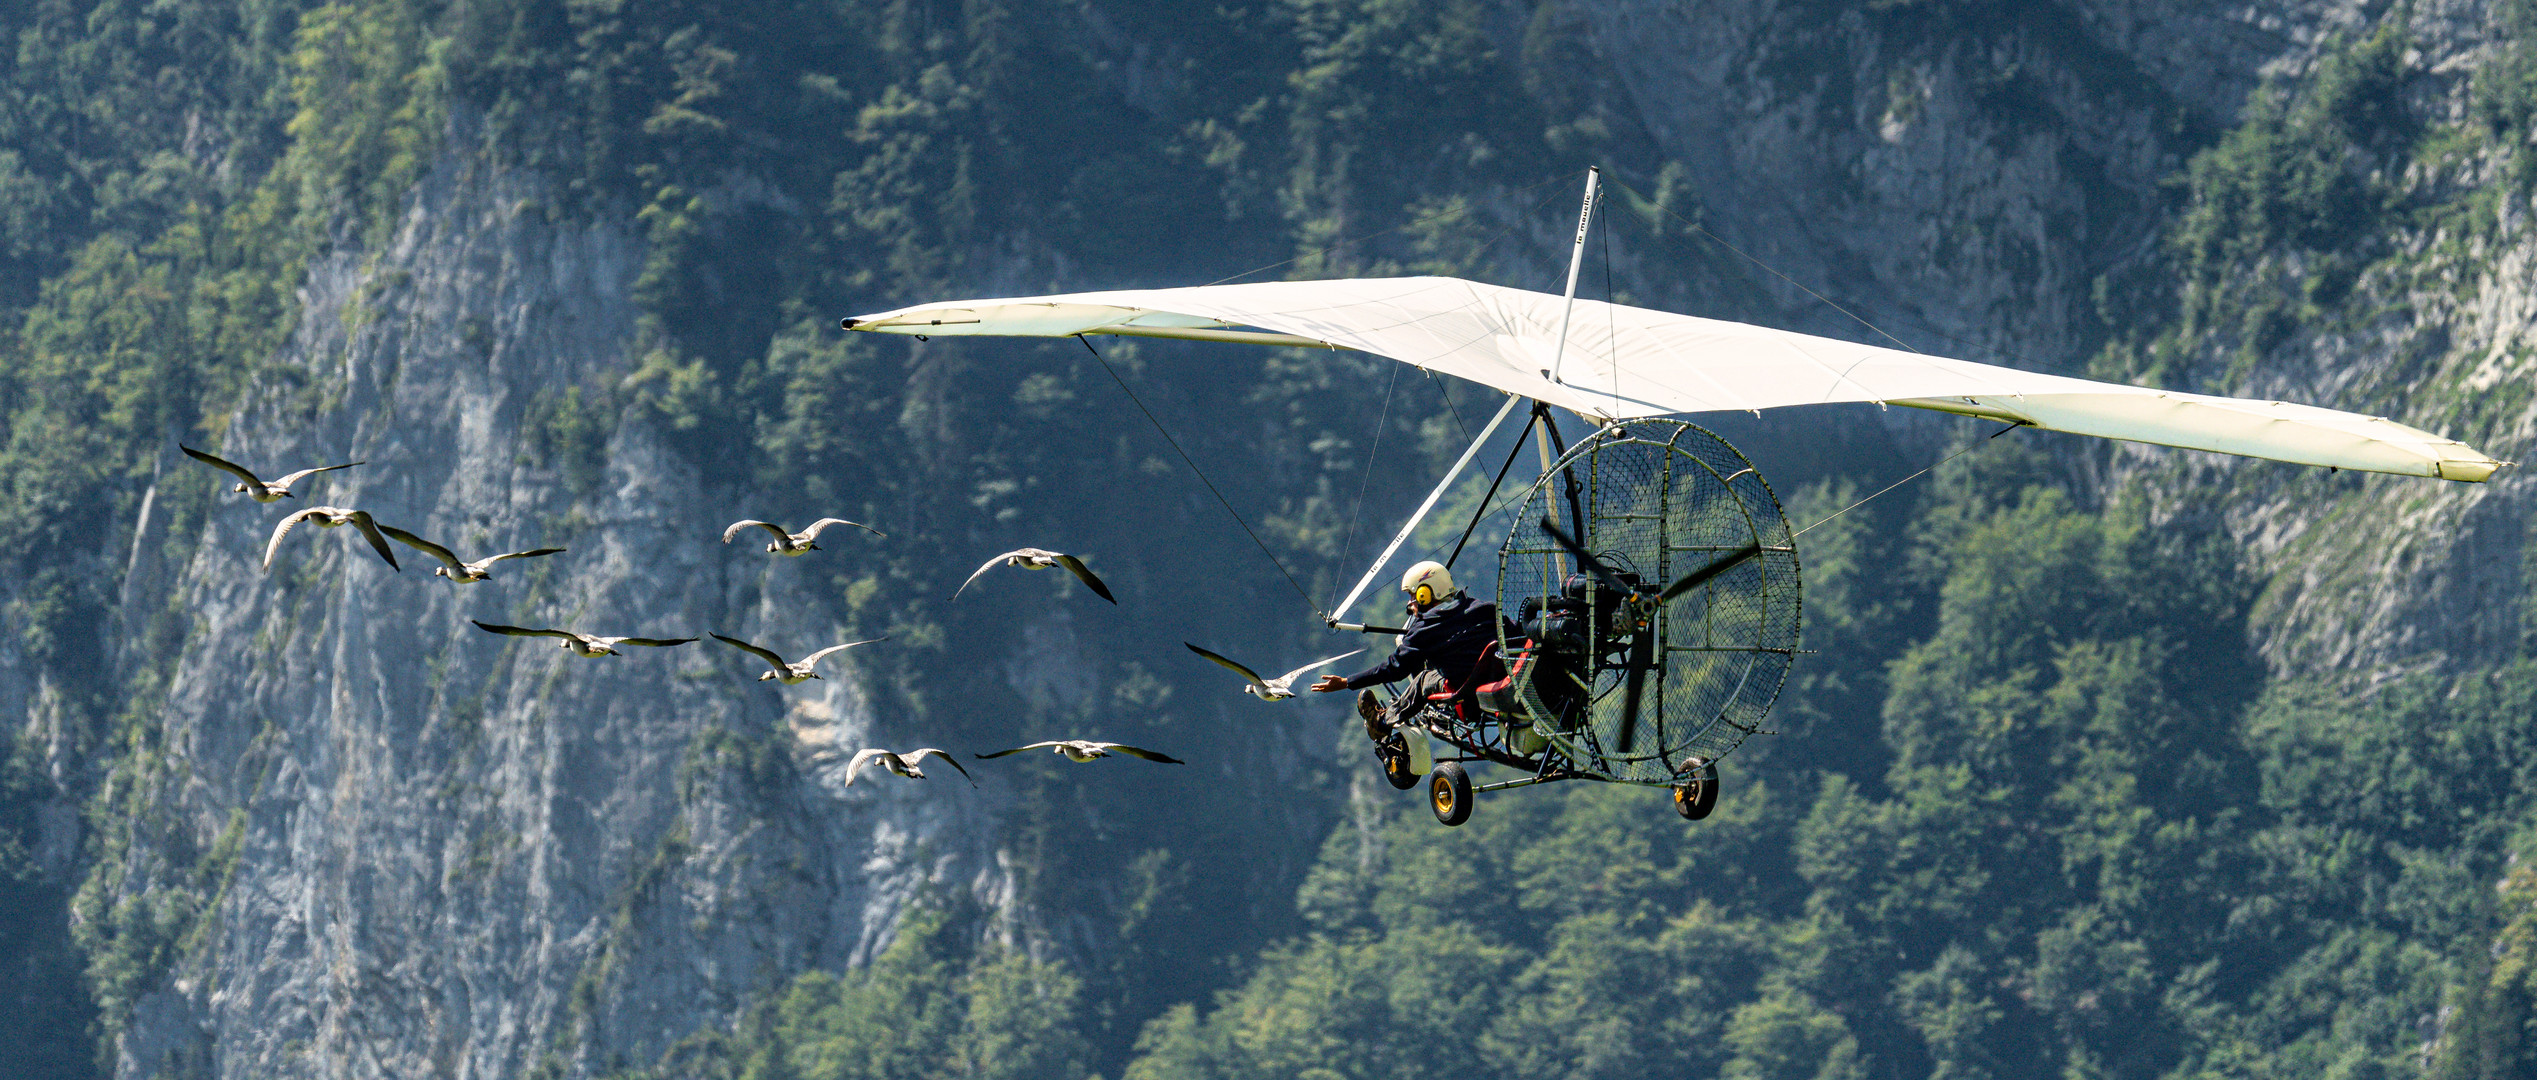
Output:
x=1625 y=362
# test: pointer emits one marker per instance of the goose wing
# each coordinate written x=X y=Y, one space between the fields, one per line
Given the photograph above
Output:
x=230 y=467
x=918 y=758
x=735 y=527
x=425 y=546
x=522 y=631
x=1238 y=669
x=813 y=531
x=529 y=554
x=813 y=659
x=283 y=528
x=1138 y=751
x=655 y=642
x=867 y=757
x=990 y=564
x=767 y=655
x=304 y=474
x=1018 y=749
x=1075 y=566
x=370 y=531
x=1289 y=677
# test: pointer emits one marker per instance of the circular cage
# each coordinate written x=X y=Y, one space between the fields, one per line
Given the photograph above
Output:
x=1659 y=500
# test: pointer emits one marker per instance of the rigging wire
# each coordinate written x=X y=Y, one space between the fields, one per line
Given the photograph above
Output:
x=1447 y=394
x=1611 y=313
x=1381 y=421
x=1422 y=219
x=1774 y=271
x=1827 y=302
x=1703 y=230
x=1925 y=469
x=1201 y=474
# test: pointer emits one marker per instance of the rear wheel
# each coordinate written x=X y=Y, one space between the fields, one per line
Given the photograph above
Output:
x=1393 y=753
x=1449 y=793
x=1698 y=793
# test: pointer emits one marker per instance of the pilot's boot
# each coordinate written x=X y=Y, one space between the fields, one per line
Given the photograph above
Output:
x=1370 y=710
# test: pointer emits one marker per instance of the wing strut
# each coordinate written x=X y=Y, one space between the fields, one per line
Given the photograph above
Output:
x=1389 y=549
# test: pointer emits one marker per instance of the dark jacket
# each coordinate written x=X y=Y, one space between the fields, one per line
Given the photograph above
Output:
x=1447 y=637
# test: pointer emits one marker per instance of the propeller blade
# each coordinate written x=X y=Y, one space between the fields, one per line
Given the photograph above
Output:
x=1700 y=577
x=1593 y=565
x=1642 y=657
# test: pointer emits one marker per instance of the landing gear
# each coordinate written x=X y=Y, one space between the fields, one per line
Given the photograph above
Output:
x=1392 y=750
x=1449 y=793
x=1698 y=793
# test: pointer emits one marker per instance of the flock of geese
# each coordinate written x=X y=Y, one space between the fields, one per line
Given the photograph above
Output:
x=785 y=543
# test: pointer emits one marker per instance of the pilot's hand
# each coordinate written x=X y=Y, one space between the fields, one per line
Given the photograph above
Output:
x=1329 y=683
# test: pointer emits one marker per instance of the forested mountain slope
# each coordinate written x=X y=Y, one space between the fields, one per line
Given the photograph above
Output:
x=2111 y=761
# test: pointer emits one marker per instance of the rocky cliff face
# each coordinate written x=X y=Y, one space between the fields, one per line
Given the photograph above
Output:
x=438 y=833
x=422 y=850
x=426 y=850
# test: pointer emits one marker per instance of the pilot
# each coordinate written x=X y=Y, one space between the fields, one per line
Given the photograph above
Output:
x=1447 y=632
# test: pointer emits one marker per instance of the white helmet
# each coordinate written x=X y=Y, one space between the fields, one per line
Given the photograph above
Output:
x=1427 y=582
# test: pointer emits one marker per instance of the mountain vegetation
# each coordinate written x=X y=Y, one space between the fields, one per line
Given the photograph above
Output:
x=2038 y=807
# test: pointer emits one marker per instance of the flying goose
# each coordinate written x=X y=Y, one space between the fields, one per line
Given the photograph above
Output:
x=1087 y=750
x=582 y=644
x=903 y=764
x=464 y=573
x=792 y=543
x=258 y=489
x=328 y=517
x=1041 y=559
x=1277 y=689
x=789 y=674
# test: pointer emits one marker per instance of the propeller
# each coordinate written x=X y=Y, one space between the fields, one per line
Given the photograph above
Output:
x=1642 y=657
x=1593 y=565
x=1681 y=585
x=1700 y=577
x=1643 y=640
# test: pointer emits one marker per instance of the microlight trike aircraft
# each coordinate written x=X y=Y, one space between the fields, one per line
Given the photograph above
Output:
x=1652 y=577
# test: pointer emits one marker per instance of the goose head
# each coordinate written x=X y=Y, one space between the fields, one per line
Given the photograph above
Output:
x=766 y=676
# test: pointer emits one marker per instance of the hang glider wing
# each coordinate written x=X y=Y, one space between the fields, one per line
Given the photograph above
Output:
x=1624 y=362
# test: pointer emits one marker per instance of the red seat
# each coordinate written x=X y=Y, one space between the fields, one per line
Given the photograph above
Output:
x=1487 y=673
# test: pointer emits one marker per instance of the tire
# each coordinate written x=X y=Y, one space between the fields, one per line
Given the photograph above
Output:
x=1698 y=795
x=1449 y=793
x=1394 y=757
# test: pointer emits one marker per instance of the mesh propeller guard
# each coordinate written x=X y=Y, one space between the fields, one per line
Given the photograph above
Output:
x=1661 y=499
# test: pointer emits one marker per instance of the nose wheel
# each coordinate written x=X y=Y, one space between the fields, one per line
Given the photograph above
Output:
x=1449 y=793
